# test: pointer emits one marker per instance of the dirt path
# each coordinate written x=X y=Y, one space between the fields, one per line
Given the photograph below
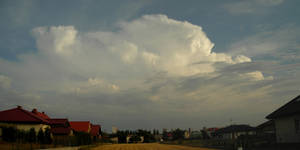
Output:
x=151 y=146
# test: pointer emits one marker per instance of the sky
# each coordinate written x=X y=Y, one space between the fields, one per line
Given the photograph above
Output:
x=145 y=64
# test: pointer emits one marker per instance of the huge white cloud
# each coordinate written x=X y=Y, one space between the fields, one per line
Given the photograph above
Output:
x=153 y=42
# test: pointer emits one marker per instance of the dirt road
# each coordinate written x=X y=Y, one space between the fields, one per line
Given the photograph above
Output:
x=152 y=146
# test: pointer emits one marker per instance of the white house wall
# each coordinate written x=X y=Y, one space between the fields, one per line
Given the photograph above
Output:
x=26 y=127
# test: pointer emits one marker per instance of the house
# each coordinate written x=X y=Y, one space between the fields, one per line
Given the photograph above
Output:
x=186 y=134
x=211 y=132
x=23 y=119
x=287 y=122
x=59 y=122
x=81 y=126
x=195 y=135
x=267 y=127
x=40 y=114
x=234 y=131
x=170 y=136
x=95 y=131
x=60 y=127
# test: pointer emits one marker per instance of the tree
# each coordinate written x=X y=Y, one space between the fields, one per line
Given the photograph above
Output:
x=204 y=134
x=134 y=139
x=41 y=137
x=32 y=136
x=165 y=134
x=22 y=134
x=122 y=136
x=47 y=136
x=178 y=134
x=83 y=138
x=9 y=134
x=148 y=137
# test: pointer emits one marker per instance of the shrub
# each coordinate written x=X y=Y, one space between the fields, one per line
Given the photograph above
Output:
x=47 y=136
x=41 y=136
x=32 y=136
x=9 y=134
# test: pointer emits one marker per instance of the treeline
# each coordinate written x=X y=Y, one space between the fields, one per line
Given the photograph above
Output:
x=136 y=136
x=13 y=135
x=178 y=134
x=175 y=134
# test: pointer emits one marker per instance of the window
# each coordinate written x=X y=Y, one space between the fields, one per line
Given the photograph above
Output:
x=297 y=126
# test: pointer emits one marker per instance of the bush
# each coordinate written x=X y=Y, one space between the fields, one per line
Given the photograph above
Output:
x=9 y=134
x=32 y=136
x=134 y=139
x=47 y=136
x=41 y=136
x=21 y=136
x=83 y=138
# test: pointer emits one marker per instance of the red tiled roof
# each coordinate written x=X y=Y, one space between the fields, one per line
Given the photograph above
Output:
x=58 y=121
x=61 y=130
x=40 y=114
x=80 y=126
x=95 y=129
x=20 y=115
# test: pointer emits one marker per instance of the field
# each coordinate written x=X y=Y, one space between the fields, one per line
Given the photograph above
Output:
x=152 y=146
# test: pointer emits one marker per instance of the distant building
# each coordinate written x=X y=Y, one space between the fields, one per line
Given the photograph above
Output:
x=95 y=131
x=81 y=126
x=210 y=132
x=114 y=130
x=287 y=122
x=187 y=134
x=195 y=135
x=60 y=127
x=170 y=136
x=234 y=131
x=23 y=119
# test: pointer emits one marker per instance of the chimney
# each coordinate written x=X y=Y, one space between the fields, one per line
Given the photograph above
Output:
x=19 y=107
x=34 y=110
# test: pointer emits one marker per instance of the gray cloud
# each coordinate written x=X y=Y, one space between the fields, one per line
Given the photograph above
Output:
x=250 y=7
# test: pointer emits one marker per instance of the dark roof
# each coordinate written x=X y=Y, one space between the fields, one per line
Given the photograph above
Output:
x=61 y=130
x=21 y=116
x=290 y=108
x=265 y=124
x=235 y=128
x=80 y=126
